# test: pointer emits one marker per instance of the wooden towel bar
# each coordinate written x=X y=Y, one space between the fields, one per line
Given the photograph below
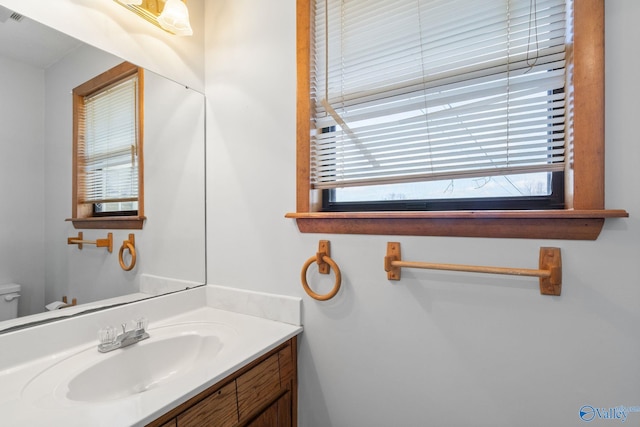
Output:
x=100 y=243
x=549 y=272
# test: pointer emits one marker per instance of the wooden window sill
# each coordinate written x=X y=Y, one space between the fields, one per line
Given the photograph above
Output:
x=548 y=224
x=109 y=222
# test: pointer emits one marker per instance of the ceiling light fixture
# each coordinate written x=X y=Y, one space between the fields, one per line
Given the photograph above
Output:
x=170 y=15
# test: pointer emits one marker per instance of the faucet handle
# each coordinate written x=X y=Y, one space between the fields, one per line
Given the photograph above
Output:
x=141 y=324
x=107 y=335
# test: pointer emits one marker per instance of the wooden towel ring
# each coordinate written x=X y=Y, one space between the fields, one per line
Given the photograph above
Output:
x=324 y=262
x=128 y=244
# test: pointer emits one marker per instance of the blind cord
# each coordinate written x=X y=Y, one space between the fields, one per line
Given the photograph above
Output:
x=533 y=19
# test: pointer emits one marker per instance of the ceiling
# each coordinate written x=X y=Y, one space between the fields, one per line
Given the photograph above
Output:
x=25 y=40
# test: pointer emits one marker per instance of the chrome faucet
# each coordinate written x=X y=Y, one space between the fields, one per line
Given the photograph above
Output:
x=110 y=340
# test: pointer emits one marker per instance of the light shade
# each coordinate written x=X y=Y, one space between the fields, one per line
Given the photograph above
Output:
x=170 y=15
x=175 y=18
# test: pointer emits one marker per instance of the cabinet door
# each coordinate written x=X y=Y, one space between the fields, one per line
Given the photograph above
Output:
x=276 y=415
x=258 y=387
x=219 y=409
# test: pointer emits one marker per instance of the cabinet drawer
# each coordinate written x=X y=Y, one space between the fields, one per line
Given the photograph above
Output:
x=219 y=409
x=258 y=387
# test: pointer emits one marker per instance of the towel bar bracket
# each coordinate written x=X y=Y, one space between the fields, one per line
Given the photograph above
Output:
x=551 y=260
x=324 y=249
x=393 y=254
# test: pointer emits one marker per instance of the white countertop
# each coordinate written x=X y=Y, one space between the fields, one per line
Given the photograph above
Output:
x=252 y=324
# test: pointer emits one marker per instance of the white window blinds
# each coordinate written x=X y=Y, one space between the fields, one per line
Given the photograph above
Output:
x=414 y=90
x=107 y=152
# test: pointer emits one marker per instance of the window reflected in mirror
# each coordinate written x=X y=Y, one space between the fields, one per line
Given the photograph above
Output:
x=107 y=150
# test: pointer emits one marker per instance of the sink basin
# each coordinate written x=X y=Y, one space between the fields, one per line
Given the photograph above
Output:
x=171 y=353
x=141 y=367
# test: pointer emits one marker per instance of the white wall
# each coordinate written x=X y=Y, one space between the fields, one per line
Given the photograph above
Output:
x=172 y=243
x=437 y=348
x=21 y=177
x=73 y=70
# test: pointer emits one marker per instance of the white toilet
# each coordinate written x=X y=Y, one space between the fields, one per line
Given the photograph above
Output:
x=9 y=295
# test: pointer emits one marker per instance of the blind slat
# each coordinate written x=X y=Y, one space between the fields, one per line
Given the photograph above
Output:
x=420 y=83
x=109 y=167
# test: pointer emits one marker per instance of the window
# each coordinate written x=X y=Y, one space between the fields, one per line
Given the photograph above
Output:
x=360 y=103
x=449 y=100
x=107 y=148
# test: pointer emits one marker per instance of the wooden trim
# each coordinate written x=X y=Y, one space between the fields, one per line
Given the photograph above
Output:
x=109 y=222
x=511 y=214
x=584 y=215
x=106 y=79
x=303 y=121
x=567 y=229
x=294 y=381
x=563 y=224
x=81 y=214
x=141 y=142
x=78 y=102
x=588 y=108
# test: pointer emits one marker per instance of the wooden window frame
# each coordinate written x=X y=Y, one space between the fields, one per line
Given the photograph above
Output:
x=81 y=217
x=584 y=215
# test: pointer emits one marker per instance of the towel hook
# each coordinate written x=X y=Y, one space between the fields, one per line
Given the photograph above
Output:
x=130 y=246
x=324 y=264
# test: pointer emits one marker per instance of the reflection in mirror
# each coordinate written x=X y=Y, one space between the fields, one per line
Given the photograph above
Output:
x=38 y=69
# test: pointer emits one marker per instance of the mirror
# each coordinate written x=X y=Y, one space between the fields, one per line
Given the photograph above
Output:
x=39 y=67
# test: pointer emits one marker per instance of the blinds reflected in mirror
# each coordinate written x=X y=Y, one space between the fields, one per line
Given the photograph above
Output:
x=108 y=152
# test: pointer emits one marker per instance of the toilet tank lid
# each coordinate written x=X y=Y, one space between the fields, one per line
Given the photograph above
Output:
x=9 y=288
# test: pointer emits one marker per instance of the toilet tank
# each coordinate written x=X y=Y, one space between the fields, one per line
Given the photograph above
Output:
x=9 y=295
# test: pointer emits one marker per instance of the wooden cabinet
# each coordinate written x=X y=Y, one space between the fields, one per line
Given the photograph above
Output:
x=277 y=415
x=218 y=409
x=258 y=387
x=263 y=394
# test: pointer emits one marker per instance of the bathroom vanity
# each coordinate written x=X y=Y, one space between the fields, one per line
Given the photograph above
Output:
x=261 y=394
x=215 y=356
